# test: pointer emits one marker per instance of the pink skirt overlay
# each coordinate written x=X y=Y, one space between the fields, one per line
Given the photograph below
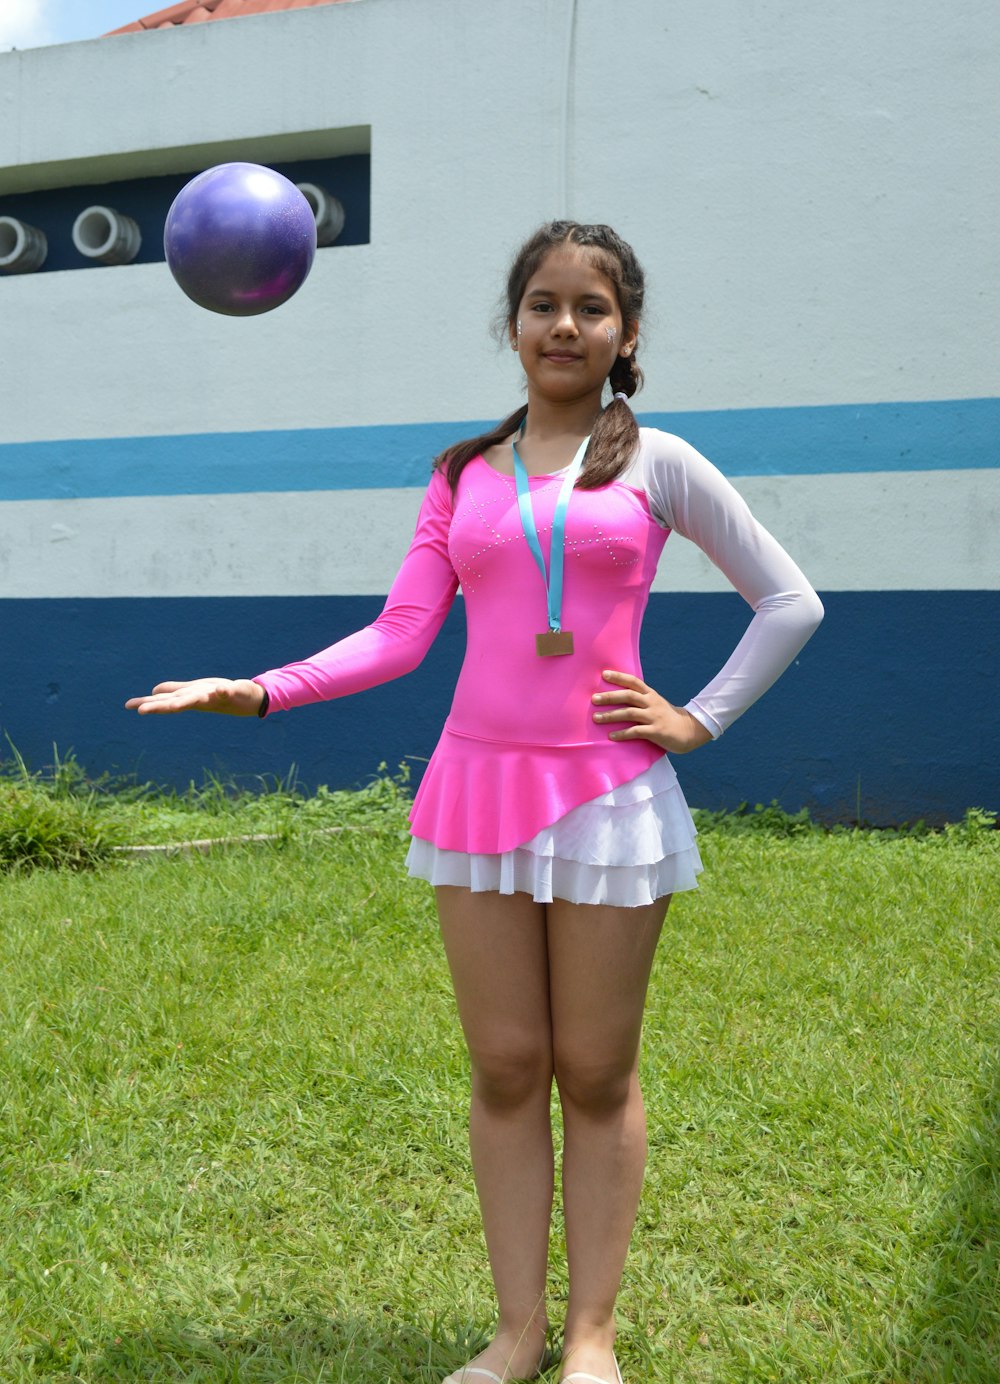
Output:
x=626 y=847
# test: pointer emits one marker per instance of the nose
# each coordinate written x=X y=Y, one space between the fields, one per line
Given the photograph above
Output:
x=564 y=323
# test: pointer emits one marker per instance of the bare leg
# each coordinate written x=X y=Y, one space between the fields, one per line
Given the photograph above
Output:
x=496 y=950
x=599 y=964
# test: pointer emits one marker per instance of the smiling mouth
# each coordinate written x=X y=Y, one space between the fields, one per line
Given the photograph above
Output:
x=561 y=355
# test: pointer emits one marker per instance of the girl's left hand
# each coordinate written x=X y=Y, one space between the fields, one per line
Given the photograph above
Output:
x=653 y=717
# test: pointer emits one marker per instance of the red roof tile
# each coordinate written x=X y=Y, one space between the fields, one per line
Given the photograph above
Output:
x=198 y=11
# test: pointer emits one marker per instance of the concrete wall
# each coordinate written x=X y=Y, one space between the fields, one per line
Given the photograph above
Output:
x=808 y=194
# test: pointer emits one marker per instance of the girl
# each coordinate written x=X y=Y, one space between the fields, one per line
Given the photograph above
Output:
x=549 y=819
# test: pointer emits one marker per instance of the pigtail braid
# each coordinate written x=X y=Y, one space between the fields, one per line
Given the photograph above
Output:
x=615 y=438
x=625 y=376
x=454 y=458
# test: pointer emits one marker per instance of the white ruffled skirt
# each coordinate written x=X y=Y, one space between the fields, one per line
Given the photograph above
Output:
x=626 y=847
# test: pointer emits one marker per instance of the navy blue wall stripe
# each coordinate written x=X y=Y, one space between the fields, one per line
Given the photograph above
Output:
x=147 y=201
x=857 y=716
x=947 y=434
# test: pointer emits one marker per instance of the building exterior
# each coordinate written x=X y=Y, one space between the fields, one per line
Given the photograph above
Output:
x=184 y=493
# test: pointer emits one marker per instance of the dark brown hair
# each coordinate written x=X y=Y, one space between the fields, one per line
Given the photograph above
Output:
x=616 y=433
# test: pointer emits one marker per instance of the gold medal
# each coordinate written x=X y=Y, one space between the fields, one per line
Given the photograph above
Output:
x=554 y=642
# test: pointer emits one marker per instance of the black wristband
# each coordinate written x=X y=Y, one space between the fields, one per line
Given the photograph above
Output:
x=262 y=709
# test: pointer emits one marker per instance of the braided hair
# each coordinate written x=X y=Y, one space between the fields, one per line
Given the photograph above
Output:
x=616 y=434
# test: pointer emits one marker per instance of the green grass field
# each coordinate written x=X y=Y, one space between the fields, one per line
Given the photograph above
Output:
x=233 y=1137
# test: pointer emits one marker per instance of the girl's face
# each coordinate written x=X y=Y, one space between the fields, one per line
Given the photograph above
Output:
x=569 y=328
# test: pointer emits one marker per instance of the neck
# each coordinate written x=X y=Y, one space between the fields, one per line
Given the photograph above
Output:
x=549 y=421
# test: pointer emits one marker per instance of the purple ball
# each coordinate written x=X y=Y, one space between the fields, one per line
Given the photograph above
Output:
x=240 y=239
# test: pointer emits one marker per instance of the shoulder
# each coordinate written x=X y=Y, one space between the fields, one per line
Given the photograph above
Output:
x=658 y=453
x=666 y=456
x=438 y=495
x=679 y=482
x=662 y=467
x=665 y=448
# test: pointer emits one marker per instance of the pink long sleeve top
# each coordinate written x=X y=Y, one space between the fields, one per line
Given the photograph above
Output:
x=520 y=746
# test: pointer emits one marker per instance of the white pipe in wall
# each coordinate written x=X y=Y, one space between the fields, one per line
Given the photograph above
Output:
x=103 y=234
x=327 y=210
x=22 y=247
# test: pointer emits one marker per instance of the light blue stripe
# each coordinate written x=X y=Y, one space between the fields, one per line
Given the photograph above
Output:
x=932 y=435
x=950 y=434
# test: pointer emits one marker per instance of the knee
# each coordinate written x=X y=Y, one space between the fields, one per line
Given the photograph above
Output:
x=592 y=1084
x=509 y=1074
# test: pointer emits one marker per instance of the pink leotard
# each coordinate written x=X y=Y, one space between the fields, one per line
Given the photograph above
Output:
x=520 y=746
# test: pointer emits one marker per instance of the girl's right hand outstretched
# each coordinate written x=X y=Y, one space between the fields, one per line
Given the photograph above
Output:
x=229 y=697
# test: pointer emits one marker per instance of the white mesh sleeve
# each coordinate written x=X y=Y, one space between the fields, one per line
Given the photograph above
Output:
x=690 y=495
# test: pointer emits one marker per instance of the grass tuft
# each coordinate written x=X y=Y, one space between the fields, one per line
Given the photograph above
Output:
x=51 y=823
x=57 y=817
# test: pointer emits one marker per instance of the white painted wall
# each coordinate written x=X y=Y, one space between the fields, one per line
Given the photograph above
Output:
x=310 y=543
x=809 y=189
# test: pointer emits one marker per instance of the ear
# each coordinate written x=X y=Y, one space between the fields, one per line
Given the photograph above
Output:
x=630 y=335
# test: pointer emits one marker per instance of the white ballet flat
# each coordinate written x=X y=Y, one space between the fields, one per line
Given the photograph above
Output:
x=591 y=1378
x=460 y=1376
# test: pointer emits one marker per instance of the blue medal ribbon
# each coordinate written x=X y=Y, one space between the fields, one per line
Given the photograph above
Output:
x=552 y=580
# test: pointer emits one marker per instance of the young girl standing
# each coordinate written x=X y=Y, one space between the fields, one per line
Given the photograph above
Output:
x=549 y=819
